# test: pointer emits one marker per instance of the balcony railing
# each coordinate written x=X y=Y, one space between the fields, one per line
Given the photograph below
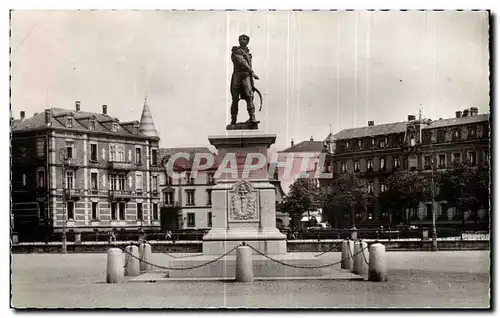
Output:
x=70 y=163
x=73 y=194
x=120 y=166
x=175 y=204
x=119 y=194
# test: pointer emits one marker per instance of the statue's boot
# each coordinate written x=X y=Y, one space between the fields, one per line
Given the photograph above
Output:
x=233 y=119
x=251 y=110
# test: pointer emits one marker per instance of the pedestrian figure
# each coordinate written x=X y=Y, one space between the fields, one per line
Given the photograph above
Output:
x=111 y=237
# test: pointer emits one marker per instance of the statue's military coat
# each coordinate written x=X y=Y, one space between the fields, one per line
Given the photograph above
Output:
x=242 y=80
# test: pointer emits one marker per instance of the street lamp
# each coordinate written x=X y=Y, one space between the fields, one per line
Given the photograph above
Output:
x=62 y=158
x=434 y=233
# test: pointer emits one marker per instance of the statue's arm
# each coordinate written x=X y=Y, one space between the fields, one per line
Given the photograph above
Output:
x=240 y=60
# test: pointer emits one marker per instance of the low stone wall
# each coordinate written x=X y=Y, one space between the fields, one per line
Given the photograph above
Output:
x=292 y=246
x=391 y=245
x=102 y=247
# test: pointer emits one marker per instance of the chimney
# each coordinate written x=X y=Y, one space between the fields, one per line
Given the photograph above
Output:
x=35 y=114
x=458 y=114
x=105 y=109
x=77 y=105
x=371 y=123
x=291 y=143
x=311 y=139
x=474 y=111
x=48 y=113
x=411 y=117
x=465 y=113
x=22 y=114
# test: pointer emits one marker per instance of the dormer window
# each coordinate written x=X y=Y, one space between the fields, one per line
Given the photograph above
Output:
x=69 y=122
x=115 y=127
x=136 y=129
x=360 y=144
x=373 y=142
x=347 y=145
x=92 y=124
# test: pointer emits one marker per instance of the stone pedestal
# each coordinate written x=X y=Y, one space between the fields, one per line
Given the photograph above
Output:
x=244 y=210
x=243 y=200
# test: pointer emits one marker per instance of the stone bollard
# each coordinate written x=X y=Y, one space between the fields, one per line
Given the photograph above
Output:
x=346 y=260
x=145 y=255
x=132 y=267
x=377 y=271
x=359 y=265
x=114 y=266
x=244 y=266
x=354 y=233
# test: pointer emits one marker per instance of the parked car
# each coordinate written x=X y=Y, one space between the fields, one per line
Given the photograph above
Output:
x=320 y=226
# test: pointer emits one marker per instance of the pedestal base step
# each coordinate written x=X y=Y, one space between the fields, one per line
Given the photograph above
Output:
x=244 y=126
x=157 y=277
x=263 y=268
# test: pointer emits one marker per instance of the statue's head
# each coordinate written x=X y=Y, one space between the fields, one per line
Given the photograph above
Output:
x=243 y=39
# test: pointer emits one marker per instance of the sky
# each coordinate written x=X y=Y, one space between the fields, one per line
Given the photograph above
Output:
x=319 y=71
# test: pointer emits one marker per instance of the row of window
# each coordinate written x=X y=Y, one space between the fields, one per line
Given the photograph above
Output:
x=191 y=220
x=92 y=123
x=428 y=162
x=369 y=164
x=456 y=133
x=188 y=179
x=168 y=197
x=360 y=144
x=116 y=152
x=116 y=182
x=117 y=211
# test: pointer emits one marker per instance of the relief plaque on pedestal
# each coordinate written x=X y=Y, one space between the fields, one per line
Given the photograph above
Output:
x=243 y=203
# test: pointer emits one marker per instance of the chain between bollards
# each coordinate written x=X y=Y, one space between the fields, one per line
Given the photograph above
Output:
x=298 y=266
x=183 y=268
x=329 y=250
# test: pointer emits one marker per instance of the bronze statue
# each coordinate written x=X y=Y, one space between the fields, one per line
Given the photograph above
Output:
x=242 y=81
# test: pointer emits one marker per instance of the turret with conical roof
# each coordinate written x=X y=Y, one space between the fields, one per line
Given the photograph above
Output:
x=147 y=126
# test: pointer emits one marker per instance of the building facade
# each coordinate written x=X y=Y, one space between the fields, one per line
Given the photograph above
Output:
x=374 y=152
x=186 y=202
x=83 y=173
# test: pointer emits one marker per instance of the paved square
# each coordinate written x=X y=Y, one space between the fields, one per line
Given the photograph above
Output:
x=415 y=279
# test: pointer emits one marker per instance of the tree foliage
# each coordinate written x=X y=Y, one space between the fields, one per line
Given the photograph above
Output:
x=464 y=187
x=405 y=189
x=349 y=193
x=303 y=196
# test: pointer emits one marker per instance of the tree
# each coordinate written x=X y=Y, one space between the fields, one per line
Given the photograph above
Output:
x=349 y=193
x=303 y=196
x=464 y=187
x=404 y=189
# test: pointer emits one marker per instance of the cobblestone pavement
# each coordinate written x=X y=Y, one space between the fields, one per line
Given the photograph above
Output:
x=416 y=279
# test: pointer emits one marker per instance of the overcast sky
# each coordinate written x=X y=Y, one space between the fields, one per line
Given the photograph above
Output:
x=316 y=68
